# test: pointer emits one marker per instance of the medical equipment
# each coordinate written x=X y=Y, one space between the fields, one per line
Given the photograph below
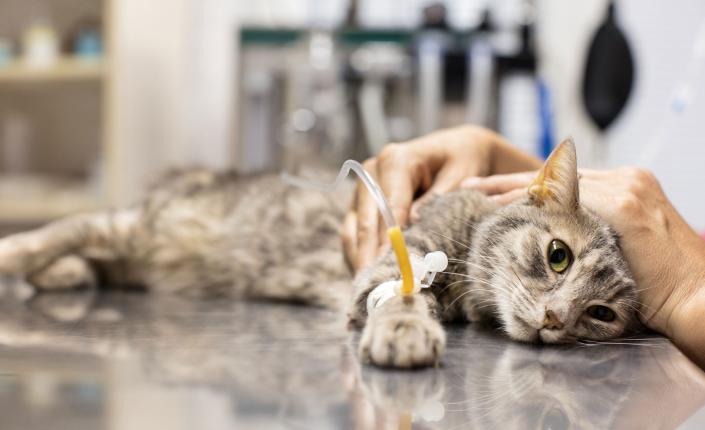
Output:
x=416 y=272
x=609 y=72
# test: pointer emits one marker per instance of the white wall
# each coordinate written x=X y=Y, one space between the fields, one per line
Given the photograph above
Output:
x=661 y=35
x=173 y=65
x=176 y=70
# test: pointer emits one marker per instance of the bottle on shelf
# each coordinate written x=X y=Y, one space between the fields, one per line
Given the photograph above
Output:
x=40 y=44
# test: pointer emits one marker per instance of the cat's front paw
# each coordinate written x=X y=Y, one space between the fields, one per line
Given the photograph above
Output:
x=402 y=341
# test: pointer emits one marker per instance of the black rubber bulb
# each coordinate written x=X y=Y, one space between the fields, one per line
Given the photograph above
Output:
x=609 y=72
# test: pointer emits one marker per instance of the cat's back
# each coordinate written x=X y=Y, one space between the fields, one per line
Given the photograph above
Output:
x=203 y=206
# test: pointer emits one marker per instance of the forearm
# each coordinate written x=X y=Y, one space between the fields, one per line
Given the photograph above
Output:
x=686 y=327
x=506 y=158
x=669 y=265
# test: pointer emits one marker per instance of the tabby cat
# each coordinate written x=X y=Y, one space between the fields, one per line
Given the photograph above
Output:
x=544 y=269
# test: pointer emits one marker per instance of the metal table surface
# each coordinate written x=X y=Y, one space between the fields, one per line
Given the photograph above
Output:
x=131 y=360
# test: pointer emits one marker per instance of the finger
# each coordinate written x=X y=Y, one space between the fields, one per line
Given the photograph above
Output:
x=446 y=180
x=499 y=184
x=384 y=248
x=367 y=221
x=509 y=197
x=400 y=179
x=596 y=194
x=348 y=235
x=590 y=173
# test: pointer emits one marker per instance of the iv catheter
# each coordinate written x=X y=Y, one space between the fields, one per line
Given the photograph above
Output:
x=415 y=274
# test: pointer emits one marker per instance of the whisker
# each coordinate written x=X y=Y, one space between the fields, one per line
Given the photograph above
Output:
x=449 y=238
x=457 y=298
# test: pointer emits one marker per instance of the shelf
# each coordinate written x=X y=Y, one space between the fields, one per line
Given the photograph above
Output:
x=65 y=69
x=47 y=210
x=37 y=199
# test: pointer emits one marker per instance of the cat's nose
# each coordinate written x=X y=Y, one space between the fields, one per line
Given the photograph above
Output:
x=551 y=321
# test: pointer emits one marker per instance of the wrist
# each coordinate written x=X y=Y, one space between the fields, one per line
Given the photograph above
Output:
x=506 y=158
x=684 y=327
x=684 y=284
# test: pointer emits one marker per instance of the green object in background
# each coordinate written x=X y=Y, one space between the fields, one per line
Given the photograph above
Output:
x=264 y=36
x=88 y=44
x=5 y=52
x=359 y=37
x=270 y=36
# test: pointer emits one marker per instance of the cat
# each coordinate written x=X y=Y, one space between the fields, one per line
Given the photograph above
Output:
x=544 y=269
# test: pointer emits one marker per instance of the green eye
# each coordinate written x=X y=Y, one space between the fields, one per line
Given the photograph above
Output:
x=559 y=256
x=602 y=313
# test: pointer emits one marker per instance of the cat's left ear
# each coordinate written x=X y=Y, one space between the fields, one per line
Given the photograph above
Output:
x=557 y=181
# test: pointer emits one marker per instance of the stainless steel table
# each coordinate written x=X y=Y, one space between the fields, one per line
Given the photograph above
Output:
x=131 y=360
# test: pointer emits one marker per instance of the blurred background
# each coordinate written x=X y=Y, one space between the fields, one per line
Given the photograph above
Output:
x=98 y=96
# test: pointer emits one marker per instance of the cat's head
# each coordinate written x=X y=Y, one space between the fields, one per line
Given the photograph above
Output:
x=556 y=270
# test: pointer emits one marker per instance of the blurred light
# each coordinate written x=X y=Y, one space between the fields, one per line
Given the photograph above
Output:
x=321 y=51
x=303 y=120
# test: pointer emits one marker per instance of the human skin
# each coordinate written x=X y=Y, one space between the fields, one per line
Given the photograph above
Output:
x=665 y=254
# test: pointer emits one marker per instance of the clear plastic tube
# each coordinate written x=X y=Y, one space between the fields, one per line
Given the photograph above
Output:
x=366 y=179
x=393 y=230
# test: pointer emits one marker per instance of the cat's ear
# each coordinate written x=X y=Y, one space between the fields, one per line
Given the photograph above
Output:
x=557 y=181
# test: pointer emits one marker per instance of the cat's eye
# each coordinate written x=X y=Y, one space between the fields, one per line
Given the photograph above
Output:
x=602 y=313
x=559 y=256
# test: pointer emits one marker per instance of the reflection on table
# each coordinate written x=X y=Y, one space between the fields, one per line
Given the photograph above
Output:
x=131 y=360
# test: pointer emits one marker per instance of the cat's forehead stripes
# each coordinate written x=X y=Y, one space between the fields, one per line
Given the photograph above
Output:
x=602 y=275
x=602 y=241
x=510 y=224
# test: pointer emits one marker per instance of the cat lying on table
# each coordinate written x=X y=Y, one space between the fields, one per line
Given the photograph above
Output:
x=544 y=269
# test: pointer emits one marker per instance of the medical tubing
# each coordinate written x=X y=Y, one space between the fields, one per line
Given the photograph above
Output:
x=366 y=179
x=393 y=230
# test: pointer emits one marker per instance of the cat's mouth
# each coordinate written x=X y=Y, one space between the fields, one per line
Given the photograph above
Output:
x=554 y=337
x=525 y=332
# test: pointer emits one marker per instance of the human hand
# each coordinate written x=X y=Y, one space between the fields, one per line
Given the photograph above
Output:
x=666 y=256
x=431 y=164
x=409 y=173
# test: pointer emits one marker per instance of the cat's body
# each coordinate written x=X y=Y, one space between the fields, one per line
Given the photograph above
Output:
x=202 y=232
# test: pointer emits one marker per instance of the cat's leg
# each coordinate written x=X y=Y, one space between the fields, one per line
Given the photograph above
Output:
x=406 y=332
x=402 y=332
x=104 y=234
